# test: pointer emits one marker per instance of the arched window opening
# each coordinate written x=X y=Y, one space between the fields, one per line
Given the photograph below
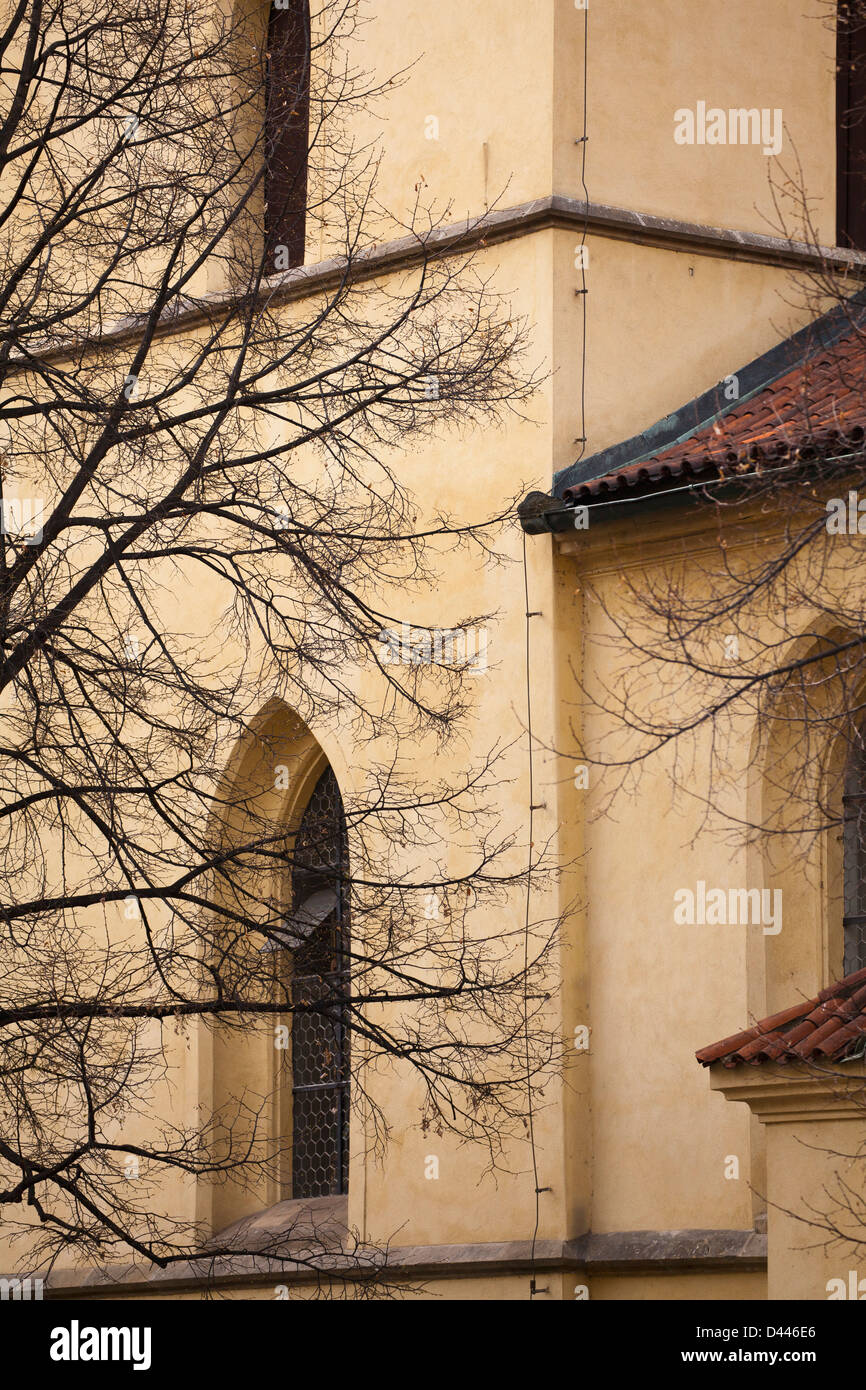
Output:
x=317 y=932
x=854 y=843
x=287 y=123
x=851 y=126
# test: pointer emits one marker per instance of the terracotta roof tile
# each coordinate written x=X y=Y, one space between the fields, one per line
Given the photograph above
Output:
x=831 y=1025
x=803 y=399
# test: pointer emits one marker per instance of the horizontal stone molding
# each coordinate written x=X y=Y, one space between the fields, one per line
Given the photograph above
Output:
x=789 y=1093
x=630 y=1253
x=487 y=229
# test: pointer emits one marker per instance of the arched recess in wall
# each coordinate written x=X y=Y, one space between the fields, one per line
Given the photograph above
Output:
x=280 y=775
x=845 y=850
x=806 y=868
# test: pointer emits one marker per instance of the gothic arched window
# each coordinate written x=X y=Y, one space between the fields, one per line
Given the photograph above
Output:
x=851 y=125
x=318 y=937
x=854 y=842
x=287 y=121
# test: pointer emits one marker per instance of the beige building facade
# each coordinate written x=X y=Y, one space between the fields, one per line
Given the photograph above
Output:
x=631 y=173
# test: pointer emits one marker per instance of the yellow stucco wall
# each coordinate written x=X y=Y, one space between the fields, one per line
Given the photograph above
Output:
x=635 y=1139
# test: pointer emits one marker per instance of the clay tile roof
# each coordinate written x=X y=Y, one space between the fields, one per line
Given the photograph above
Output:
x=803 y=399
x=830 y=1027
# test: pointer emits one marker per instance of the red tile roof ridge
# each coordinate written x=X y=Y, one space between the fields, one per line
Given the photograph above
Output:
x=826 y=1024
x=805 y=412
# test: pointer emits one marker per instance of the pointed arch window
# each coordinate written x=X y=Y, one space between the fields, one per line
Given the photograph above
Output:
x=854 y=848
x=317 y=934
x=851 y=126
x=287 y=123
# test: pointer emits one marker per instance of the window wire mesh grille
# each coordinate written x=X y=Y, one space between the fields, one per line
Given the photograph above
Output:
x=320 y=1051
x=854 y=844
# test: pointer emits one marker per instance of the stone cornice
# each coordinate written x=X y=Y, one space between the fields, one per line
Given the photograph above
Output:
x=785 y=1094
x=614 y=1252
x=503 y=224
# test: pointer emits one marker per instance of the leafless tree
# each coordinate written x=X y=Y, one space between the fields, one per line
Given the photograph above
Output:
x=182 y=414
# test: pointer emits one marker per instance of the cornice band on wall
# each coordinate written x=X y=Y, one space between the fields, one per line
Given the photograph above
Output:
x=506 y=224
x=599 y=219
x=616 y=1252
